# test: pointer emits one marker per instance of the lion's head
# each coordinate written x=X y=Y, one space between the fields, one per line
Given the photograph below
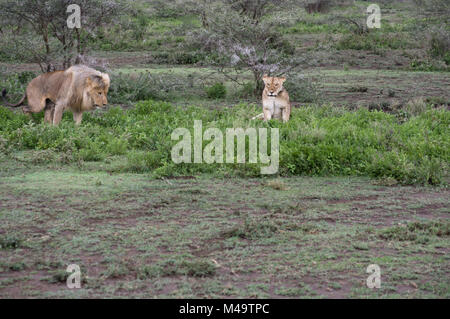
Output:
x=96 y=91
x=274 y=85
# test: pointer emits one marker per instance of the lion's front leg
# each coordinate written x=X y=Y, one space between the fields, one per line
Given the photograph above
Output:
x=49 y=112
x=59 y=109
x=77 y=117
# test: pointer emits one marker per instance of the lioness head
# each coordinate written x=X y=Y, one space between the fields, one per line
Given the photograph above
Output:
x=96 y=90
x=274 y=85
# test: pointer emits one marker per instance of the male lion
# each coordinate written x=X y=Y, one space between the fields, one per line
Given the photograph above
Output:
x=79 y=88
x=275 y=100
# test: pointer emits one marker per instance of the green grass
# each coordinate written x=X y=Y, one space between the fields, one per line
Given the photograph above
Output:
x=134 y=236
x=412 y=148
x=374 y=40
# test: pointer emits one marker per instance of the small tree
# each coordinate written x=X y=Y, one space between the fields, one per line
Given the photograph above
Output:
x=238 y=43
x=254 y=9
x=47 y=19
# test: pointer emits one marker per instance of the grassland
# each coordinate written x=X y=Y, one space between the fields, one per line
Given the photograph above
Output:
x=202 y=237
x=363 y=171
x=69 y=195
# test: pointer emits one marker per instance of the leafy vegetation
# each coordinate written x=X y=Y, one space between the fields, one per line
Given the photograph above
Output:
x=217 y=91
x=317 y=141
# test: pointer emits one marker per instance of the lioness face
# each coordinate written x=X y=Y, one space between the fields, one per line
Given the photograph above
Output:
x=97 y=89
x=274 y=85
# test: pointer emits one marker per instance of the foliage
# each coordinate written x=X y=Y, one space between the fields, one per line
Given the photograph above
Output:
x=440 y=44
x=47 y=21
x=302 y=89
x=373 y=41
x=317 y=141
x=239 y=42
x=217 y=91
x=144 y=86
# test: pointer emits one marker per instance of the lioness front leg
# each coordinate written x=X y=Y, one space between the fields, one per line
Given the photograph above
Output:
x=77 y=117
x=267 y=115
x=285 y=114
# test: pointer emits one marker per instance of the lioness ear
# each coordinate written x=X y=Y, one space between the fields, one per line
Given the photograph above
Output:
x=283 y=79
x=265 y=78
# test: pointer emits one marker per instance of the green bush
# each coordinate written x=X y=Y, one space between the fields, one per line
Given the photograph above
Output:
x=429 y=65
x=246 y=91
x=117 y=146
x=185 y=58
x=143 y=86
x=26 y=76
x=92 y=152
x=139 y=161
x=217 y=91
x=440 y=44
x=302 y=89
x=318 y=140
x=15 y=84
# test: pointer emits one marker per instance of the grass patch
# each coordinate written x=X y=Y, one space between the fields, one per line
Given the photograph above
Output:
x=277 y=184
x=10 y=241
x=178 y=267
x=416 y=231
x=373 y=41
x=253 y=229
x=316 y=141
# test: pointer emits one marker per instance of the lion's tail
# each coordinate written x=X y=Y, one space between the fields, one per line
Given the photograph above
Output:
x=10 y=104
x=258 y=117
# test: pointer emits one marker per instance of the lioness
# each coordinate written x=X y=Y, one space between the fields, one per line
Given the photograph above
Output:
x=79 y=88
x=275 y=100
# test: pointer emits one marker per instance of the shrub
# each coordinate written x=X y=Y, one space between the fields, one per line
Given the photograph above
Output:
x=302 y=89
x=217 y=91
x=360 y=89
x=318 y=140
x=416 y=106
x=10 y=241
x=246 y=91
x=117 y=146
x=14 y=84
x=139 y=161
x=440 y=44
x=91 y=153
x=186 y=58
x=428 y=65
x=26 y=76
x=134 y=87
x=253 y=229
